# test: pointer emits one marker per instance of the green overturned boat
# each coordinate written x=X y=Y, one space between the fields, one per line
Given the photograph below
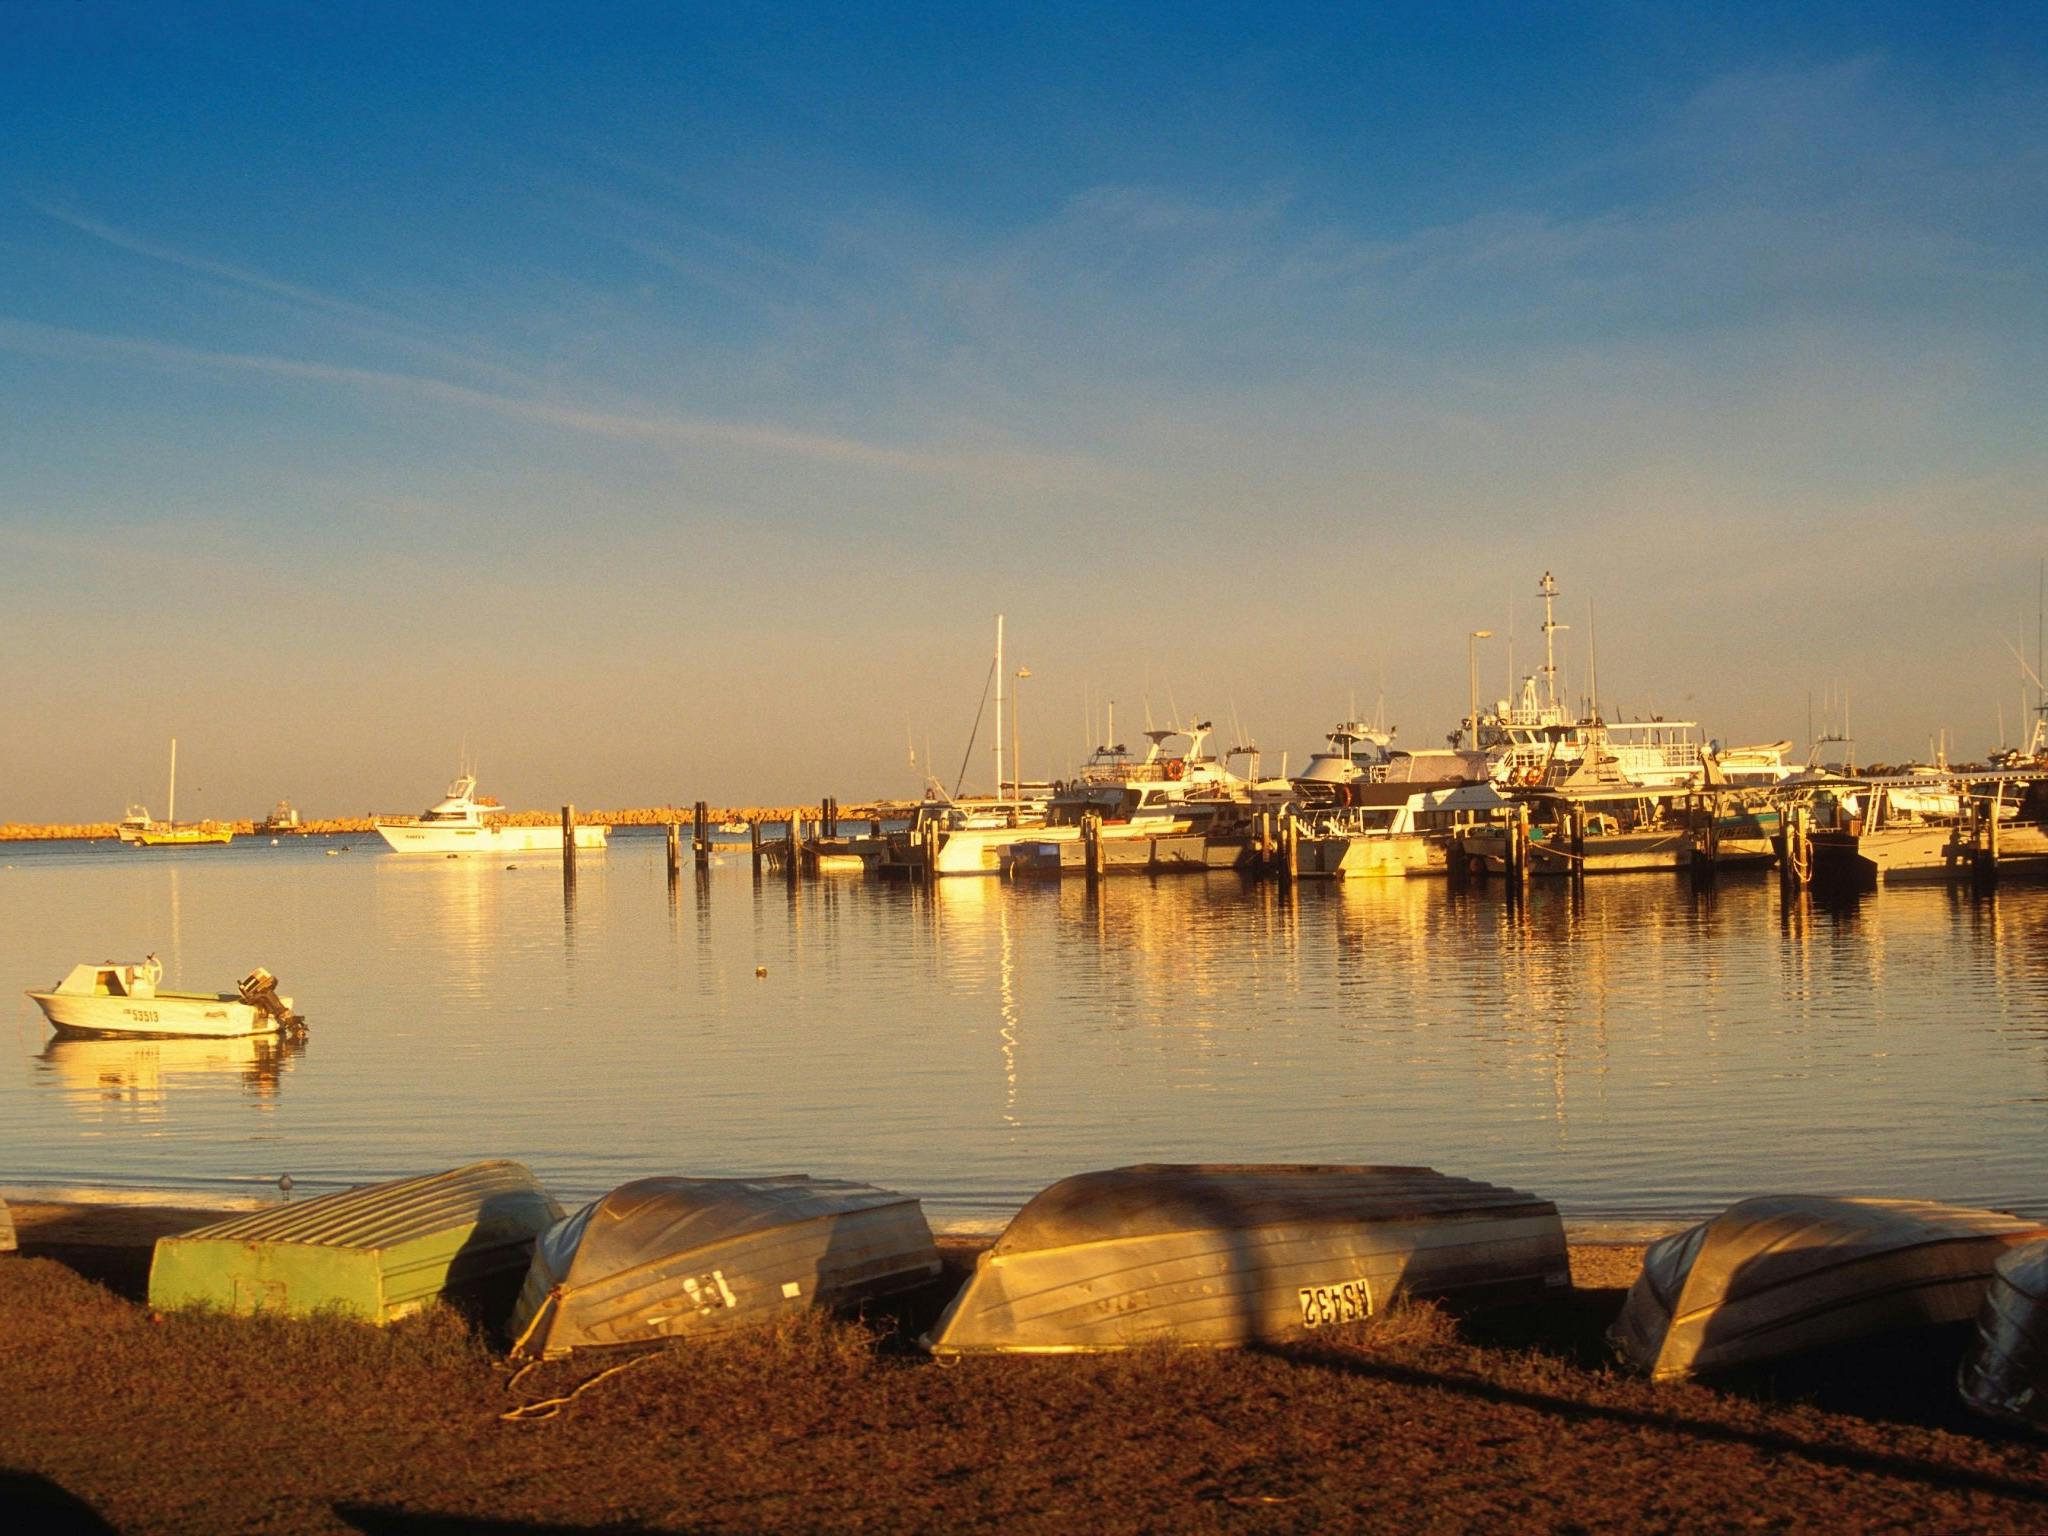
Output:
x=375 y=1253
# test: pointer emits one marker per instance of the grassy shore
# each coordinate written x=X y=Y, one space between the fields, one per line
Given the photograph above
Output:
x=1417 y=1421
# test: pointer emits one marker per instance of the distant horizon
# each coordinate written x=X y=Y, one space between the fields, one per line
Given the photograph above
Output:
x=660 y=404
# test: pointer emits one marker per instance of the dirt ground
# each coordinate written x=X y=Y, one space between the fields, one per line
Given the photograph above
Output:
x=1417 y=1421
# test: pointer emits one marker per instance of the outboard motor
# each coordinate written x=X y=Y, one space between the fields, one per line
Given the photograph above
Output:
x=259 y=991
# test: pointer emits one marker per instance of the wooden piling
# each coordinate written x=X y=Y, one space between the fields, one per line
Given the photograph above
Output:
x=675 y=851
x=1091 y=846
x=1795 y=857
x=754 y=837
x=700 y=837
x=568 y=843
x=793 y=853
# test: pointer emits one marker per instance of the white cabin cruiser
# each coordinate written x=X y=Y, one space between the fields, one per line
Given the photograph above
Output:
x=111 y=999
x=458 y=825
x=1358 y=750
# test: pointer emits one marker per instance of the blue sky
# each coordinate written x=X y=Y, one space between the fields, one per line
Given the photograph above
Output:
x=661 y=401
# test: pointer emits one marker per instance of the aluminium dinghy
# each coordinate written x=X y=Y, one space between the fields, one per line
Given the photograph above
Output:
x=1780 y=1274
x=2005 y=1375
x=1234 y=1254
x=375 y=1253
x=673 y=1257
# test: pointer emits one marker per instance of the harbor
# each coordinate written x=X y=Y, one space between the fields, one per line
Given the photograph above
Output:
x=1041 y=770
x=1638 y=1047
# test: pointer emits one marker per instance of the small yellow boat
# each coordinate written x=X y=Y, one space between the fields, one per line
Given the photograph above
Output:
x=141 y=830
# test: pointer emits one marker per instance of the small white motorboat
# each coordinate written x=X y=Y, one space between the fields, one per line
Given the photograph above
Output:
x=110 y=999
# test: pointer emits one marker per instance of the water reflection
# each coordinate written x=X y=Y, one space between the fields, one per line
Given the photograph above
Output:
x=140 y=1076
x=1632 y=1046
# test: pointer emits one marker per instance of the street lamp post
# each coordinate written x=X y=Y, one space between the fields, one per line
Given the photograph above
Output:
x=1472 y=639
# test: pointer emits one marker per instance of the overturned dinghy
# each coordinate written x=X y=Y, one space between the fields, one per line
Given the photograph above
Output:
x=669 y=1257
x=1779 y=1274
x=2005 y=1375
x=1238 y=1254
x=376 y=1252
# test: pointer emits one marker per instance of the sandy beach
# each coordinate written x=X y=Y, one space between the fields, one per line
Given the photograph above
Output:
x=1418 y=1420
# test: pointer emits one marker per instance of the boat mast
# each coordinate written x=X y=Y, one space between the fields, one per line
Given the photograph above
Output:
x=999 y=706
x=172 y=817
x=1592 y=666
x=1548 y=590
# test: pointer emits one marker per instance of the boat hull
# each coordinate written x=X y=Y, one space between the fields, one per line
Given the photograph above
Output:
x=375 y=1253
x=1170 y=853
x=408 y=837
x=678 y=1258
x=1781 y=1274
x=165 y=1016
x=182 y=837
x=1619 y=853
x=1219 y=1256
x=1372 y=857
x=2006 y=1373
x=1891 y=854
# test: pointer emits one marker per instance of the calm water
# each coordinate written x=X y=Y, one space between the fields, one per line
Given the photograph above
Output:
x=1640 y=1052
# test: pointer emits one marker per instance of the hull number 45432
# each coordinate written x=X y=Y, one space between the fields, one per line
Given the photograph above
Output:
x=1323 y=1306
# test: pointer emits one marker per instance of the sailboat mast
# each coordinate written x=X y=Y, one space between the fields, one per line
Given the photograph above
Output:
x=172 y=817
x=999 y=706
x=1548 y=589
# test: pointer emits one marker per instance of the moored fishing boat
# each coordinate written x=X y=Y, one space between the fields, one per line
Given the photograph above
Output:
x=1780 y=1274
x=1390 y=830
x=460 y=823
x=111 y=999
x=673 y=1257
x=1232 y=1254
x=283 y=817
x=1166 y=794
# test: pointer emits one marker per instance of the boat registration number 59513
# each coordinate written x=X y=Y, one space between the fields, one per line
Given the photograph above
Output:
x=1323 y=1306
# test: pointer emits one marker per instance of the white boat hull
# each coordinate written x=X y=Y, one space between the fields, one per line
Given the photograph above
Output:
x=406 y=837
x=1384 y=856
x=167 y=1015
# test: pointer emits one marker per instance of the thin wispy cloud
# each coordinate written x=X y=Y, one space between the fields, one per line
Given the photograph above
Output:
x=654 y=427
x=362 y=319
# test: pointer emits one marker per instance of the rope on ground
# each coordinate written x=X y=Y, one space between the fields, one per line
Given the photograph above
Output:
x=550 y=1407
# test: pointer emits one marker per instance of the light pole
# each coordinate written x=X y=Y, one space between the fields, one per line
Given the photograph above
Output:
x=1472 y=639
x=1016 y=747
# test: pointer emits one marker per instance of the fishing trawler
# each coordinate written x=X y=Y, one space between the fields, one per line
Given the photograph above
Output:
x=1534 y=738
x=283 y=817
x=458 y=825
